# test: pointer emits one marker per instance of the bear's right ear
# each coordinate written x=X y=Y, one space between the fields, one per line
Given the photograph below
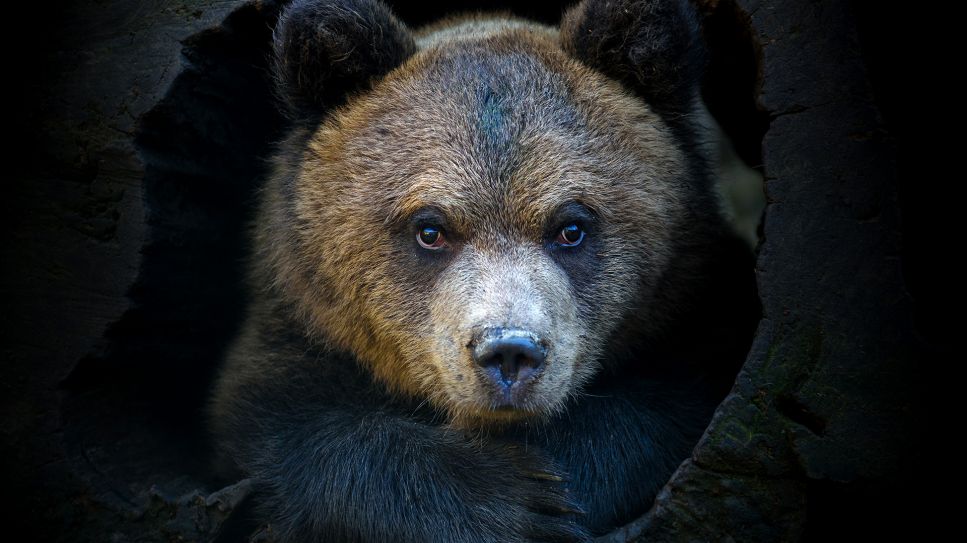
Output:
x=327 y=49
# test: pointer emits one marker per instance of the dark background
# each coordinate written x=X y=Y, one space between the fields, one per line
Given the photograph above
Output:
x=136 y=140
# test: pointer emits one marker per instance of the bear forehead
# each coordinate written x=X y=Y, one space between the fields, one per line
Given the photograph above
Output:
x=501 y=88
x=506 y=121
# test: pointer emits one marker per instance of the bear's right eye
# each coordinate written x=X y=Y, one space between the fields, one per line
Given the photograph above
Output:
x=570 y=236
x=431 y=237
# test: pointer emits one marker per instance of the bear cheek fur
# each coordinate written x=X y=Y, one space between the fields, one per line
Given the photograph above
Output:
x=344 y=253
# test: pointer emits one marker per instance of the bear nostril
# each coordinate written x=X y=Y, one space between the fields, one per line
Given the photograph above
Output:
x=515 y=353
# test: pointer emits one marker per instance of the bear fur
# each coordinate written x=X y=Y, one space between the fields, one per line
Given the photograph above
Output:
x=356 y=396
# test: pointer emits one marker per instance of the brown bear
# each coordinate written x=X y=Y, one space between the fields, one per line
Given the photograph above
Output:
x=493 y=294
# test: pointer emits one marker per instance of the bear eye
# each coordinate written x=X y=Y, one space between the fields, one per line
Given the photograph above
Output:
x=570 y=236
x=431 y=237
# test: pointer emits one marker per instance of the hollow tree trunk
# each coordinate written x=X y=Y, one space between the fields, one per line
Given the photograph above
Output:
x=141 y=138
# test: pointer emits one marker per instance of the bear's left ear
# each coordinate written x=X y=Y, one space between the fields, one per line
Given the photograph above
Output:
x=328 y=49
x=653 y=46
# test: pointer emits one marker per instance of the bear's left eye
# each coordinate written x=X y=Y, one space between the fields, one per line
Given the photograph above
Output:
x=570 y=236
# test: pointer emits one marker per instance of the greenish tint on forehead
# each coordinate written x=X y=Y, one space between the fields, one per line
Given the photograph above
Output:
x=492 y=115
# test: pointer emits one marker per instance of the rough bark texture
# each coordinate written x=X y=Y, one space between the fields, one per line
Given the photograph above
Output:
x=134 y=174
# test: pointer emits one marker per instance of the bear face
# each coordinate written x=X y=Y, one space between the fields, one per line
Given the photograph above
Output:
x=494 y=141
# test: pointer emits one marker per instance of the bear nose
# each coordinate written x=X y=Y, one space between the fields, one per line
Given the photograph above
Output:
x=509 y=355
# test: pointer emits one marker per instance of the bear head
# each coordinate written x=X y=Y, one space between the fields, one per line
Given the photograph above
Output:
x=485 y=211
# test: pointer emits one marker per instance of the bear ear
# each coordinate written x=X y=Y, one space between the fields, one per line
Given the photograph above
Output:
x=653 y=46
x=328 y=49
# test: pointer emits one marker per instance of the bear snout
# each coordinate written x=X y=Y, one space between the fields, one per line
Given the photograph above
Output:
x=510 y=359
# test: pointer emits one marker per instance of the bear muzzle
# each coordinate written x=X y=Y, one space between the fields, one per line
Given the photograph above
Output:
x=510 y=359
